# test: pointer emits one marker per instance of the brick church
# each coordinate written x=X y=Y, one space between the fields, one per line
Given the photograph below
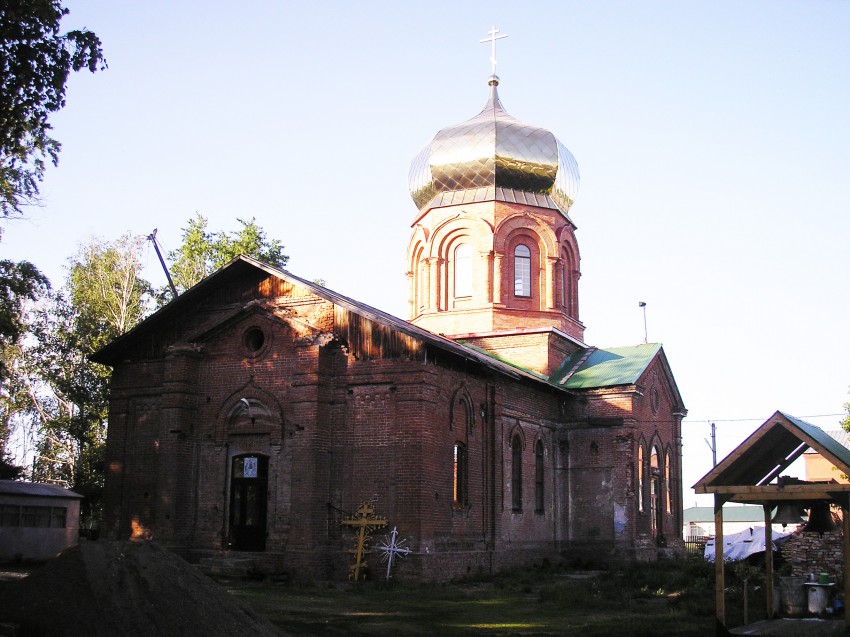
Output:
x=254 y=413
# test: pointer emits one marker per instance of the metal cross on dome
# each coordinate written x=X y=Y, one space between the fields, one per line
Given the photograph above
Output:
x=391 y=547
x=492 y=40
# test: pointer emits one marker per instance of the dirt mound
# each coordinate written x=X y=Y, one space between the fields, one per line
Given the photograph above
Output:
x=124 y=588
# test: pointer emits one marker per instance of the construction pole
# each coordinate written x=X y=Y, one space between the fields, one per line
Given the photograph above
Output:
x=152 y=239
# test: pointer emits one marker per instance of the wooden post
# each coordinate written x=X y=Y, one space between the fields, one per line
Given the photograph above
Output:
x=845 y=540
x=719 y=584
x=768 y=559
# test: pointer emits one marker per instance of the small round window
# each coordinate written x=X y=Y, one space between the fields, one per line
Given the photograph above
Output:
x=254 y=340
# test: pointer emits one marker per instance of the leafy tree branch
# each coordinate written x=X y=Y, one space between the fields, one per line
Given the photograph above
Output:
x=35 y=62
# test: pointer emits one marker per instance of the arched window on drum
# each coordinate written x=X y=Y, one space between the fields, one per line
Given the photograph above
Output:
x=522 y=271
x=463 y=270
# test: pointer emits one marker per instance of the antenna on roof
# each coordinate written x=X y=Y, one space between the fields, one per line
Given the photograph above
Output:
x=152 y=239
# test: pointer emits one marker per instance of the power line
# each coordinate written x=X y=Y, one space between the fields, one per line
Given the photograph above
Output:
x=709 y=421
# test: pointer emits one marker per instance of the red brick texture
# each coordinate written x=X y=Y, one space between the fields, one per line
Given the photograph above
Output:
x=493 y=229
x=341 y=422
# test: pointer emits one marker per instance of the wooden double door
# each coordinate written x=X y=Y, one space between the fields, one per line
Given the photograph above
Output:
x=248 y=502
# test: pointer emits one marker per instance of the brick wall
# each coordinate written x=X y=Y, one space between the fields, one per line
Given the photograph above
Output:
x=337 y=428
x=493 y=229
x=812 y=553
x=540 y=350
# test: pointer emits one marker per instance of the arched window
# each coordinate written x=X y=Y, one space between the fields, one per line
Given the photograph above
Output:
x=516 y=473
x=667 y=489
x=563 y=284
x=460 y=476
x=567 y=291
x=423 y=284
x=655 y=495
x=539 y=506
x=522 y=271
x=463 y=270
x=416 y=276
x=640 y=478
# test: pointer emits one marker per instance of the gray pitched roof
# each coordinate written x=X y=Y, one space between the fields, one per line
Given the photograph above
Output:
x=37 y=489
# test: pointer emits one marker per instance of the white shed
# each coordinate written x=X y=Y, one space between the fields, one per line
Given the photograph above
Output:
x=37 y=521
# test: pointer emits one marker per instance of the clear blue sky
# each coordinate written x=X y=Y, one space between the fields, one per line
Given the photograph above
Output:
x=713 y=140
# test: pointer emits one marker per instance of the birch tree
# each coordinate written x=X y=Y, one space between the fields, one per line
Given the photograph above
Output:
x=104 y=296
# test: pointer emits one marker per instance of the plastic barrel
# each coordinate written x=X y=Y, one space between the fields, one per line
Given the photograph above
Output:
x=793 y=596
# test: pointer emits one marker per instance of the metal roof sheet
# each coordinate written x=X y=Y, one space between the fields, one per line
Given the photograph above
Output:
x=607 y=367
x=732 y=513
x=830 y=444
x=840 y=435
x=38 y=489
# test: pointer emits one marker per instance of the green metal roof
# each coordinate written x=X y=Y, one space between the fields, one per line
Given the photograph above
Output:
x=731 y=513
x=767 y=452
x=828 y=443
x=605 y=367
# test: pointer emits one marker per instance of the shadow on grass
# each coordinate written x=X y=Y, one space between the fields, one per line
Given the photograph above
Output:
x=669 y=598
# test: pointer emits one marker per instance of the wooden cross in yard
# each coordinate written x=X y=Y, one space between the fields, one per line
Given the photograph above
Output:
x=364 y=521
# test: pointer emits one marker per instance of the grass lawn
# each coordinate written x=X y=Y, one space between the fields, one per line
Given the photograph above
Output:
x=671 y=599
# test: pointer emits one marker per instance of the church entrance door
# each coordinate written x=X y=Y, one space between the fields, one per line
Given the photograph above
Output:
x=248 y=502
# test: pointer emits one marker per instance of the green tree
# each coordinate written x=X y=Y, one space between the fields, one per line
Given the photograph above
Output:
x=106 y=291
x=202 y=252
x=14 y=400
x=20 y=283
x=104 y=296
x=846 y=422
x=36 y=59
x=251 y=241
x=192 y=261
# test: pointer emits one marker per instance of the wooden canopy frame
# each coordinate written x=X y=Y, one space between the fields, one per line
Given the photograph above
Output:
x=750 y=475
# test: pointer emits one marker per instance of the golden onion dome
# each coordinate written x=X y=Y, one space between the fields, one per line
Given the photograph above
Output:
x=494 y=156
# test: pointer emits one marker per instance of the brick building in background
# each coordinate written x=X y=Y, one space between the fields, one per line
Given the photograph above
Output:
x=256 y=411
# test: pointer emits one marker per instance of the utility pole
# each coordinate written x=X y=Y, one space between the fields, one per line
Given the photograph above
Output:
x=713 y=444
x=152 y=239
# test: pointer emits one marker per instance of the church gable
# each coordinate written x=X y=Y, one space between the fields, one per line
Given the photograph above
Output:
x=621 y=375
x=218 y=300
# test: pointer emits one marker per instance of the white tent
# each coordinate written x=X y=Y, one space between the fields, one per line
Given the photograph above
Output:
x=741 y=545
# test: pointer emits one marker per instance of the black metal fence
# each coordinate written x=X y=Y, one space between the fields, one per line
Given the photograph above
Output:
x=695 y=545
